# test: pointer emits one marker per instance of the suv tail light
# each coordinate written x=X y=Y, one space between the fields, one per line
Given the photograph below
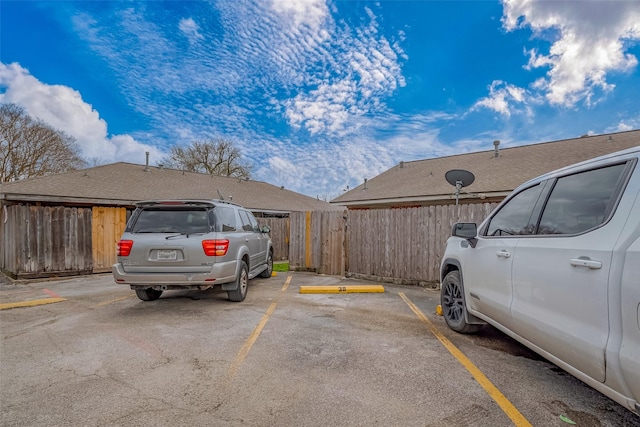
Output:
x=215 y=247
x=124 y=247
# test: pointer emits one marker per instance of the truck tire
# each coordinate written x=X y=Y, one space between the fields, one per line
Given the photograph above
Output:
x=242 y=283
x=454 y=310
x=148 y=294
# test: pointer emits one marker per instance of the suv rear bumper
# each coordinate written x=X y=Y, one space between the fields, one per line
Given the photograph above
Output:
x=220 y=273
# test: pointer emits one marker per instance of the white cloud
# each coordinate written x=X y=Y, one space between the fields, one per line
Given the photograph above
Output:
x=64 y=109
x=311 y=13
x=365 y=69
x=589 y=39
x=503 y=98
x=630 y=123
x=190 y=29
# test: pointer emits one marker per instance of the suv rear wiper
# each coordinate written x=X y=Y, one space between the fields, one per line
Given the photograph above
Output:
x=184 y=234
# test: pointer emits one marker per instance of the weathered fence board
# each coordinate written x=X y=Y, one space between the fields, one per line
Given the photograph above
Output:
x=279 y=236
x=107 y=225
x=317 y=241
x=404 y=245
x=43 y=241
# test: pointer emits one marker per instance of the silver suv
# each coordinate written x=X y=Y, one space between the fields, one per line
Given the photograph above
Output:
x=192 y=244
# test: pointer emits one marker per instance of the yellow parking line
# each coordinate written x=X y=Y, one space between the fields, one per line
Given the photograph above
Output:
x=31 y=303
x=286 y=284
x=233 y=370
x=340 y=289
x=506 y=406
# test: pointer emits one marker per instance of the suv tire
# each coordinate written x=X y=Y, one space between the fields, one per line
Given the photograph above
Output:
x=267 y=272
x=453 y=307
x=148 y=294
x=242 y=282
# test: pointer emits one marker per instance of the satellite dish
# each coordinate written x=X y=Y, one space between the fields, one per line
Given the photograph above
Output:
x=459 y=178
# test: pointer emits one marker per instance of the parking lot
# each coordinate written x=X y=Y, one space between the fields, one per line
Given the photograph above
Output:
x=99 y=356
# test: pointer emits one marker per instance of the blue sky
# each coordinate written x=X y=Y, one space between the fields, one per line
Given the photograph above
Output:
x=320 y=94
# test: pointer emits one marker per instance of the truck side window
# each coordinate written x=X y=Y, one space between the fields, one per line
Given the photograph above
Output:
x=579 y=202
x=514 y=218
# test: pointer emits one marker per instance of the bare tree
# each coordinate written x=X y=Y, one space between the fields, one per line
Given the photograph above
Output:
x=30 y=147
x=214 y=156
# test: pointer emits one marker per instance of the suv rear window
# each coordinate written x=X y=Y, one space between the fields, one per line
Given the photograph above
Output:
x=175 y=220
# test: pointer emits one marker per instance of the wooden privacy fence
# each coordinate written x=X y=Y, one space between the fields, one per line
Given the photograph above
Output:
x=403 y=245
x=279 y=236
x=317 y=241
x=107 y=226
x=42 y=240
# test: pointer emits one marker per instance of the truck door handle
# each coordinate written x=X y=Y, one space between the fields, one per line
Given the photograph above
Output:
x=585 y=261
x=503 y=254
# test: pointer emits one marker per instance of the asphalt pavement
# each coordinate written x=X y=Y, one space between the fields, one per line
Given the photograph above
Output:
x=86 y=351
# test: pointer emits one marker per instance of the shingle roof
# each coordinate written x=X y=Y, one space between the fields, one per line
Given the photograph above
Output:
x=424 y=180
x=126 y=183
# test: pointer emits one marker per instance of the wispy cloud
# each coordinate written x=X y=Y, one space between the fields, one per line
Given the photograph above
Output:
x=348 y=75
x=315 y=72
x=189 y=27
x=505 y=99
x=327 y=166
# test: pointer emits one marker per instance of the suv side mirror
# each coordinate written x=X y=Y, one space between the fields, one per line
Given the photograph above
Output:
x=265 y=229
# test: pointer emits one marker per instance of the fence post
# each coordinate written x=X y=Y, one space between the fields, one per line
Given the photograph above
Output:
x=307 y=240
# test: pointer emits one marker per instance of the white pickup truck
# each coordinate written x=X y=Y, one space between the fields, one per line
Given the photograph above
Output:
x=556 y=266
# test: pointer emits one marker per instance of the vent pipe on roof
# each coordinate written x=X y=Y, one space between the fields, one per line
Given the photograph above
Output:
x=401 y=164
x=610 y=139
x=146 y=167
x=496 y=143
x=365 y=184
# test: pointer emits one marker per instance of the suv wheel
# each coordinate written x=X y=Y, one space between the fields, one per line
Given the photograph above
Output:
x=267 y=272
x=242 y=282
x=453 y=308
x=148 y=294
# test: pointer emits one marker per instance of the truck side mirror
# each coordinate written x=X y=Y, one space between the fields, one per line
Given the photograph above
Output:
x=466 y=230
